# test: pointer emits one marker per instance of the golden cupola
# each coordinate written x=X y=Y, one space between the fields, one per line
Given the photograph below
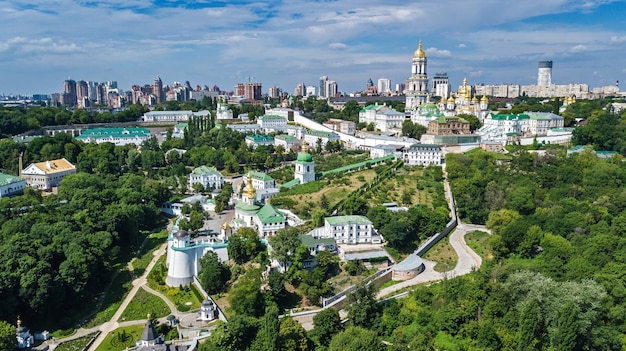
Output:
x=249 y=191
x=484 y=99
x=419 y=53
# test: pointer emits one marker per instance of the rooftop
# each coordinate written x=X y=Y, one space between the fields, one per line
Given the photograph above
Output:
x=6 y=179
x=260 y=138
x=118 y=133
x=269 y=214
x=343 y=220
x=205 y=170
x=321 y=134
x=54 y=166
x=309 y=240
x=260 y=176
x=272 y=118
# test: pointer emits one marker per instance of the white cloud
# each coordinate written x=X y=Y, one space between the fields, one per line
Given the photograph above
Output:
x=337 y=46
x=437 y=53
x=579 y=48
x=43 y=45
x=462 y=45
x=618 y=39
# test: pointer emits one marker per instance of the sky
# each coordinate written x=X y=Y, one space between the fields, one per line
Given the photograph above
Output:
x=283 y=43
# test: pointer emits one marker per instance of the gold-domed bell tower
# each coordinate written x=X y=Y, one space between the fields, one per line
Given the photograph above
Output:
x=249 y=192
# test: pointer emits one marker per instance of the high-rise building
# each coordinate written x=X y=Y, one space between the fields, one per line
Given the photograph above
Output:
x=441 y=85
x=544 y=74
x=300 y=90
x=82 y=90
x=322 y=91
x=157 y=90
x=275 y=92
x=384 y=85
x=251 y=91
x=331 y=88
x=417 y=85
x=69 y=96
x=310 y=90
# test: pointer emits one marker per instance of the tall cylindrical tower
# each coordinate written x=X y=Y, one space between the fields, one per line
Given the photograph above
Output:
x=544 y=74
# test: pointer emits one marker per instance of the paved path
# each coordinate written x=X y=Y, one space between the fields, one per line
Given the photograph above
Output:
x=112 y=324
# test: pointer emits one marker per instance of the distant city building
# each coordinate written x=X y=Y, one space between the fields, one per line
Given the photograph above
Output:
x=48 y=174
x=310 y=90
x=157 y=90
x=322 y=87
x=384 y=85
x=299 y=90
x=275 y=92
x=339 y=125
x=417 y=84
x=544 y=74
x=250 y=91
x=441 y=85
x=510 y=91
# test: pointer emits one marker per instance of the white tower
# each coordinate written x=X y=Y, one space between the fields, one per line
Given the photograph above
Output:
x=180 y=263
x=417 y=90
x=305 y=168
x=544 y=74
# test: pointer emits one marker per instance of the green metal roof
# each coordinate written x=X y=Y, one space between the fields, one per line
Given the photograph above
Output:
x=6 y=179
x=321 y=134
x=509 y=116
x=260 y=137
x=359 y=165
x=242 y=206
x=271 y=117
x=310 y=241
x=290 y=184
x=343 y=220
x=120 y=133
x=304 y=157
x=260 y=176
x=269 y=214
x=205 y=170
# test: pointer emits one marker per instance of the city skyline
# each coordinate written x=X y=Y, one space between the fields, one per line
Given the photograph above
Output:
x=283 y=44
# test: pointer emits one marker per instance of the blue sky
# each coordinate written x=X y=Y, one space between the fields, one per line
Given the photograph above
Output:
x=282 y=43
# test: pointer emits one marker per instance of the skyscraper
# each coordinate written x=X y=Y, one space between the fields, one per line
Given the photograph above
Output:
x=157 y=90
x=417 y=85
x=69 y=93
x=544 y=74
x=384 y=85
x=251 y=91
x=441 y=85
x=322 y=91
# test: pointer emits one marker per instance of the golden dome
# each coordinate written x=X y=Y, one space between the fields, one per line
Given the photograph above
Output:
x=484 y=99
x=474 y=100
x=249 y=191
x=419 y=53
x=450 y=100
x=226 y=225
x=305 y=147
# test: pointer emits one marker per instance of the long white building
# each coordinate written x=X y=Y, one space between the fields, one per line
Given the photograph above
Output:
x=349 y=230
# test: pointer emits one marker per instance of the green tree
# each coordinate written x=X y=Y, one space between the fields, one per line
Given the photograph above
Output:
x=7 y=336
x=355 y=339
x=362 y=309
x=567 y=332
x=530 y=327
x=267 y=338
x=245 y=296
x=284 y=244
x=214 y=274
x=326 y=324
x=292 y=336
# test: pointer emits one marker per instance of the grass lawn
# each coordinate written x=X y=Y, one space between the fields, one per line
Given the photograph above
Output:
x=443 y=254
x=477 y=241
x=121 y=338
x=335 y=189
x=152 y=243
x=113 y=299
x=186 y=299
x=142 y=304
x=76 y=344
x=415 y=183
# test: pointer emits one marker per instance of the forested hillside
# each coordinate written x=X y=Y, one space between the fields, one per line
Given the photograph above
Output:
x=556 y=278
